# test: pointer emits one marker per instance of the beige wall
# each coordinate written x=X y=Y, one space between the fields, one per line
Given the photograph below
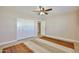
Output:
x=62 y=25
x=7 y=24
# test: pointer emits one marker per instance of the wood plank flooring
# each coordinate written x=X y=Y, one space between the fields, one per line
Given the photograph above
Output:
x=60 y=42
x=19 y=48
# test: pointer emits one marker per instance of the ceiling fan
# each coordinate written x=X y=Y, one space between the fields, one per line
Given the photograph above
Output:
x=42 y=10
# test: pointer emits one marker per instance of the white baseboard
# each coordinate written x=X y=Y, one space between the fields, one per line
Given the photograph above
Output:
x=3 y=43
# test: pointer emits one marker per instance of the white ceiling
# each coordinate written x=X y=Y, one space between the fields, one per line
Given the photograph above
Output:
x=27 y=11
x=56 y=9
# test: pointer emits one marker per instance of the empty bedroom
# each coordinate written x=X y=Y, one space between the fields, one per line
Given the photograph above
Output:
x=39 y=29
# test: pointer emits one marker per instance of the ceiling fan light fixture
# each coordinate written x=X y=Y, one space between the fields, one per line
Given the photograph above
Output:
x=42 y=13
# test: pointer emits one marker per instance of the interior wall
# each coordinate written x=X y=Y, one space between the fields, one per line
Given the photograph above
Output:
x=7 y=24
x=62 y=26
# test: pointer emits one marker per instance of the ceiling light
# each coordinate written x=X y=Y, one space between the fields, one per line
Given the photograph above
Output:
x=42 y=13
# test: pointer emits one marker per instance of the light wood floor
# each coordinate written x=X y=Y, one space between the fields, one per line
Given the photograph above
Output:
x=60 y=42
x=35 y=45
x=19 y=48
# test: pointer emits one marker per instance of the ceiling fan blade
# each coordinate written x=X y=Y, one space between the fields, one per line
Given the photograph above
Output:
x=36 y=11
x=46 y=13
x=48 y=9
x=43 y=9
x=40 y=7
